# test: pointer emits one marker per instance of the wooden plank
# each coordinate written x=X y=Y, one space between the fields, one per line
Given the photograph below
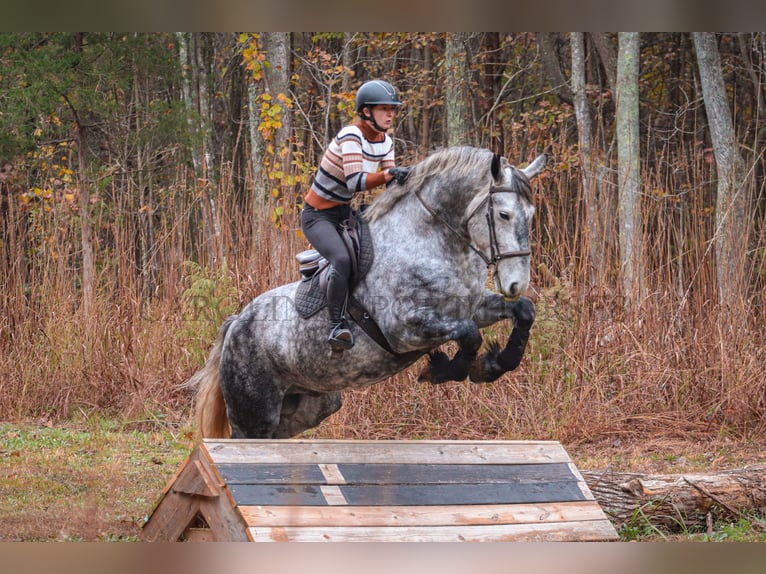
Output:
x=197 y=480
x=292 y=451
x=440 y=494
x=364 y=473
x=260 y=473
x=419 y=516
x=583 y=484
x=220 y=513
x=455 y=473
x=195 y=492
x=170 y=518
x=409 y=494
x=333 y=495
x=225 y=522
x=174 y=511
x=332 y=474
x=173 y=479
x=547 y=532
x=275 y=494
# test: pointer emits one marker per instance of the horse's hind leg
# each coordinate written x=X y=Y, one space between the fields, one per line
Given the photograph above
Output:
x=303 y=411
x=254 y=414
x=252 y=396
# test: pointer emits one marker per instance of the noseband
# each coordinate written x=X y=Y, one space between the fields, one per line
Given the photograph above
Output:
x=495 y=255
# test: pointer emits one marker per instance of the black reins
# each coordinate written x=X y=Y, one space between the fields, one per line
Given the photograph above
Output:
x=495 y=255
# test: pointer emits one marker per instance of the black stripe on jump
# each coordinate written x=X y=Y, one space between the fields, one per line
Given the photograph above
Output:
x=272 y=495
x=359 y=473
x=449 y=494
x=403 y=484
x=454 y=473
x=238 y=473
x=409 y=494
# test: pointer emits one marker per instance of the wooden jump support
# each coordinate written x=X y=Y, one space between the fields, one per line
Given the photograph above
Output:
x=378 y=491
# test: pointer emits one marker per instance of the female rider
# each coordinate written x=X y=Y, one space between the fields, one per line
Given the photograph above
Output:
x=359 y=158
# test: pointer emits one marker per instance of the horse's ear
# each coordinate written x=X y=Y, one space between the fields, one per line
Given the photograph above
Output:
x=537 y=165
x=496 y=166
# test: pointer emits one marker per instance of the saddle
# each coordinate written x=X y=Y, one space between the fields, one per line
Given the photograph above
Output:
x=311 y=294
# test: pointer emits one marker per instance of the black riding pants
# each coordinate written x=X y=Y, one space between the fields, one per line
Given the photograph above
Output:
x=322 y=228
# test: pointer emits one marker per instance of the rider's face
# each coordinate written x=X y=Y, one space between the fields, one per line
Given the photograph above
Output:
x=384 y=115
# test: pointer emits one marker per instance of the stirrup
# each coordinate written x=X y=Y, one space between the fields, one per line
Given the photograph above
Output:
x=340 y=337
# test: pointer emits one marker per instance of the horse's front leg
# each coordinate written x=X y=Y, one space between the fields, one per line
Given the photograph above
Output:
x=441 y=368
x=497 y=362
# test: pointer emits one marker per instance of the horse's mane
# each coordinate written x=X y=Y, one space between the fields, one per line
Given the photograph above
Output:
x=456 y=162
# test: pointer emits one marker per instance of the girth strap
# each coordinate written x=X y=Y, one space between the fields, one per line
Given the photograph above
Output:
x=362 y=318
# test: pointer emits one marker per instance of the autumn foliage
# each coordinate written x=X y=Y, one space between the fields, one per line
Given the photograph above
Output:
x=193 y=201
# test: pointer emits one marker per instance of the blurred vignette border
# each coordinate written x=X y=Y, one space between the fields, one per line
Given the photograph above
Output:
x=392 y=15
x=468 y=558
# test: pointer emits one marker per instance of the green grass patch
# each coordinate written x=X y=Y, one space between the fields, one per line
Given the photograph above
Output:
x=95 y=480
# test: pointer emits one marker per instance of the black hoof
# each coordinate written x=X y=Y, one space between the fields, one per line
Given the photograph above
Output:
x=441 y=368
x=487 y=368
x=435 y=372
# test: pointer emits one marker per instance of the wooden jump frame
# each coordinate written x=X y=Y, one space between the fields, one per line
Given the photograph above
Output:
x=376 y=491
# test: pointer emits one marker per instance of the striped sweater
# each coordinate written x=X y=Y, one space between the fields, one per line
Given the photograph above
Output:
x=350 y=164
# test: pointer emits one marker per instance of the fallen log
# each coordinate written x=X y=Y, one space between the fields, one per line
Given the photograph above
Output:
x=678 y=502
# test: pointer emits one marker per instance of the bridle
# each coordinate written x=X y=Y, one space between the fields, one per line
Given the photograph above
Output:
x=495 y=255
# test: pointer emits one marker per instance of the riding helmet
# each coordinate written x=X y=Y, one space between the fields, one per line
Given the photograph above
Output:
x=376 y=92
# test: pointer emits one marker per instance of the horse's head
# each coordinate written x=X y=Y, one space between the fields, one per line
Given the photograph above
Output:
x=498 y=222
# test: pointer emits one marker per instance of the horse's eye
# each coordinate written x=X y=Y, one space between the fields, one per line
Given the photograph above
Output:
x=504 y=215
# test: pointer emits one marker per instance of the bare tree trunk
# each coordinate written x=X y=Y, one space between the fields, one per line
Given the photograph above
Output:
x=731 y=228
x=88 y=264
x=425 y=108
x=348 y=60
x=587 y=158
x=276 y=83
x=203 y=74
x=86 y=231
x=257 y=159
x=608 y=56
x=457 y=80
x=185 y=61
x=195 y=59
x=628 y=155
x=276 y=45
x=552 y=64
x=146 y=207
x=759 y=88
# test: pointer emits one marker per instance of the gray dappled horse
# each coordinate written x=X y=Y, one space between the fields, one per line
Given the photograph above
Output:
x=461 y=211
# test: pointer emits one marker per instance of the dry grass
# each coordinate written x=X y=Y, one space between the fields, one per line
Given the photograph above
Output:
x=672 y=366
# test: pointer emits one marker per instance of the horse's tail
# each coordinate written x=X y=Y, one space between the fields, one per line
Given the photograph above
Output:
x=209 y=406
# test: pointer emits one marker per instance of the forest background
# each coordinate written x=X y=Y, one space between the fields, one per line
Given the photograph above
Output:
x=150 y=185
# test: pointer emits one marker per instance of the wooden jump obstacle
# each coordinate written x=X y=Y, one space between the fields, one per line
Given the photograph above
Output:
x=378 y=491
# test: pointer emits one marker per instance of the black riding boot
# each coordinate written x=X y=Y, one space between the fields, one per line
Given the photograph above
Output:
x=340 y=336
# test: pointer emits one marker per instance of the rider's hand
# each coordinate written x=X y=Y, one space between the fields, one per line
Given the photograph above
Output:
x=400 y=174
